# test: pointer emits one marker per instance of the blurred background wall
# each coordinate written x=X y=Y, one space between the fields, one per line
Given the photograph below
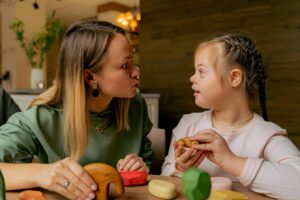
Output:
x=171 y=30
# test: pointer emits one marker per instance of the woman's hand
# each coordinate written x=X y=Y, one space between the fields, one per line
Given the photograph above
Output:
x=187 y=157
x=67 y=178
x=217 y=151
x=132 y=163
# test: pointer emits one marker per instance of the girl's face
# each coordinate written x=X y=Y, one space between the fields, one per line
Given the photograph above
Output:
x=118 y=76
x=209 y=89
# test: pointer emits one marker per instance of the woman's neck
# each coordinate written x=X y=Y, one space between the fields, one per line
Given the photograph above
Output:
x=98 y=104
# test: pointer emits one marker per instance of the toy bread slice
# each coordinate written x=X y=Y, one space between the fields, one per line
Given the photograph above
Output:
x=162 y=189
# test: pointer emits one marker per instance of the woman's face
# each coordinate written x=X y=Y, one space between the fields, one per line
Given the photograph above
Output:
x=118 y=76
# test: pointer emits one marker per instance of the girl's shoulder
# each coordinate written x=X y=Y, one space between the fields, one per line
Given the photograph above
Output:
x=195 y=117
x=193 y=122
x=266 y=126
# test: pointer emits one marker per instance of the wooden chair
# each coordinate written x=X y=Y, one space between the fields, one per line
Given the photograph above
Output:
x=158 y=139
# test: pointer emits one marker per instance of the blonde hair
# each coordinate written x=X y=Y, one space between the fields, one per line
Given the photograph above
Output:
x=84 y=46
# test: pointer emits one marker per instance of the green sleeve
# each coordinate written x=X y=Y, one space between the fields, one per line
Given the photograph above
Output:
x=146 y=149
x=17 y=143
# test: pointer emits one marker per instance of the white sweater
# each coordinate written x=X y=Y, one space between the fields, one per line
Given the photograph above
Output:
x=273 y=161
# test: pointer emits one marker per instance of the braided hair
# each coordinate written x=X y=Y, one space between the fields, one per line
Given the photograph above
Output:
x=242 y=51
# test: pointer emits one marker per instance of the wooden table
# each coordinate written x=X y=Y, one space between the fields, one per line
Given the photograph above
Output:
x=141 y=192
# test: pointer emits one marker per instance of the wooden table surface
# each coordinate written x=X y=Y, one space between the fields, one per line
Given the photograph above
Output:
x=141 y=192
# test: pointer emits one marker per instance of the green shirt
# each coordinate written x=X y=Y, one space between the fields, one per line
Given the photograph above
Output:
x=37 y=131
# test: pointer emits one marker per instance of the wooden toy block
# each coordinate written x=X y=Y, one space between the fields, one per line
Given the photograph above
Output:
x=227 y=195
x=162 y=189
x=103 y=175
x=196 y=184
x=134 y=178
x=32 y=195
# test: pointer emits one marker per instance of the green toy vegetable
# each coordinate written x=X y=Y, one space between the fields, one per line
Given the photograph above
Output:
x=196 y=184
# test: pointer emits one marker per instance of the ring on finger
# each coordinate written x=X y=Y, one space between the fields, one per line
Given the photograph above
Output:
x=66 y=184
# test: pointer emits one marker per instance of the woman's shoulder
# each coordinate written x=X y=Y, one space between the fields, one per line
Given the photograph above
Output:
x=36 y=113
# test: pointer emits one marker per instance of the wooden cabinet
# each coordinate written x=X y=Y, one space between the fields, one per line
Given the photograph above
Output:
x=152 y=101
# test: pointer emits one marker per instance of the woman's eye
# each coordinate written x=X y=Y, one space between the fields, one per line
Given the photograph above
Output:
x=125 y=66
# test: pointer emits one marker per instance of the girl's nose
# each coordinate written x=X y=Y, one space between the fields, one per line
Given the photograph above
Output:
x=136 y=72
x=192 y=78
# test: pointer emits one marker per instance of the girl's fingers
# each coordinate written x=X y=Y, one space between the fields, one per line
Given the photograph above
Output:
x=178 y=151
x=200 y=159
x=193 y=159
x=186 y=155
x=205 y=147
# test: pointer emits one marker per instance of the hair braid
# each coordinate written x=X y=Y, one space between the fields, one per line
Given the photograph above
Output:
x=241 y=50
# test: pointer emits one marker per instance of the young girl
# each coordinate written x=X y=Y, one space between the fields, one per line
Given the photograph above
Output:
x=233 y=140
x=92 y=114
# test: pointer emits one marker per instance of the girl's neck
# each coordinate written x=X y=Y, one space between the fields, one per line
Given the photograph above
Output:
x=231 y=120
x=98 y=104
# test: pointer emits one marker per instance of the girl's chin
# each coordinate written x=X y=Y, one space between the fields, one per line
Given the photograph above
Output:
x=201 y=105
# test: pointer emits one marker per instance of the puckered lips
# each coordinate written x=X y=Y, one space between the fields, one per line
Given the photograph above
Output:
x=136 y=84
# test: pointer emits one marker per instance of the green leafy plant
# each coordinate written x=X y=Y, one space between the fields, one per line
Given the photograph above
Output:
x=40 y=43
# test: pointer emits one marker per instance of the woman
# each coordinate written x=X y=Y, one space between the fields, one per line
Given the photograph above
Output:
x=85 y=117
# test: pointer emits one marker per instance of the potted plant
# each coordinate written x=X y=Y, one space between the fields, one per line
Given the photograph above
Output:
x=37 y=47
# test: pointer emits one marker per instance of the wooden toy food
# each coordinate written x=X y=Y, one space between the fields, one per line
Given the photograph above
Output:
x=186 y=142
x=103 y=175
x=196 y=184
x=134 y=178
x=32 y=195
x=227 y=195
x=162 y=189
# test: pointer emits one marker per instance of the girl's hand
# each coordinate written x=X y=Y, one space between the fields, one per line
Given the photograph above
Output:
x=132 y=163
x=217 y=151
x=187 y=157
x=67 y=178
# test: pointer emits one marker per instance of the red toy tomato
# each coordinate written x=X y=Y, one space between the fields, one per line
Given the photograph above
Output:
x=134 y=178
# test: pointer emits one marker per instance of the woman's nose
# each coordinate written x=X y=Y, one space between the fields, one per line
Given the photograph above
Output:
x=136 y=72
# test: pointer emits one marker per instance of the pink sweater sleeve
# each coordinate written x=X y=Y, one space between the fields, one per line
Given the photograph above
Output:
x=277 y=174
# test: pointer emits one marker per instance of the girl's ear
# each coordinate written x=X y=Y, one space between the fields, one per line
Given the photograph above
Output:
x=88 y=77
x=235 y=77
